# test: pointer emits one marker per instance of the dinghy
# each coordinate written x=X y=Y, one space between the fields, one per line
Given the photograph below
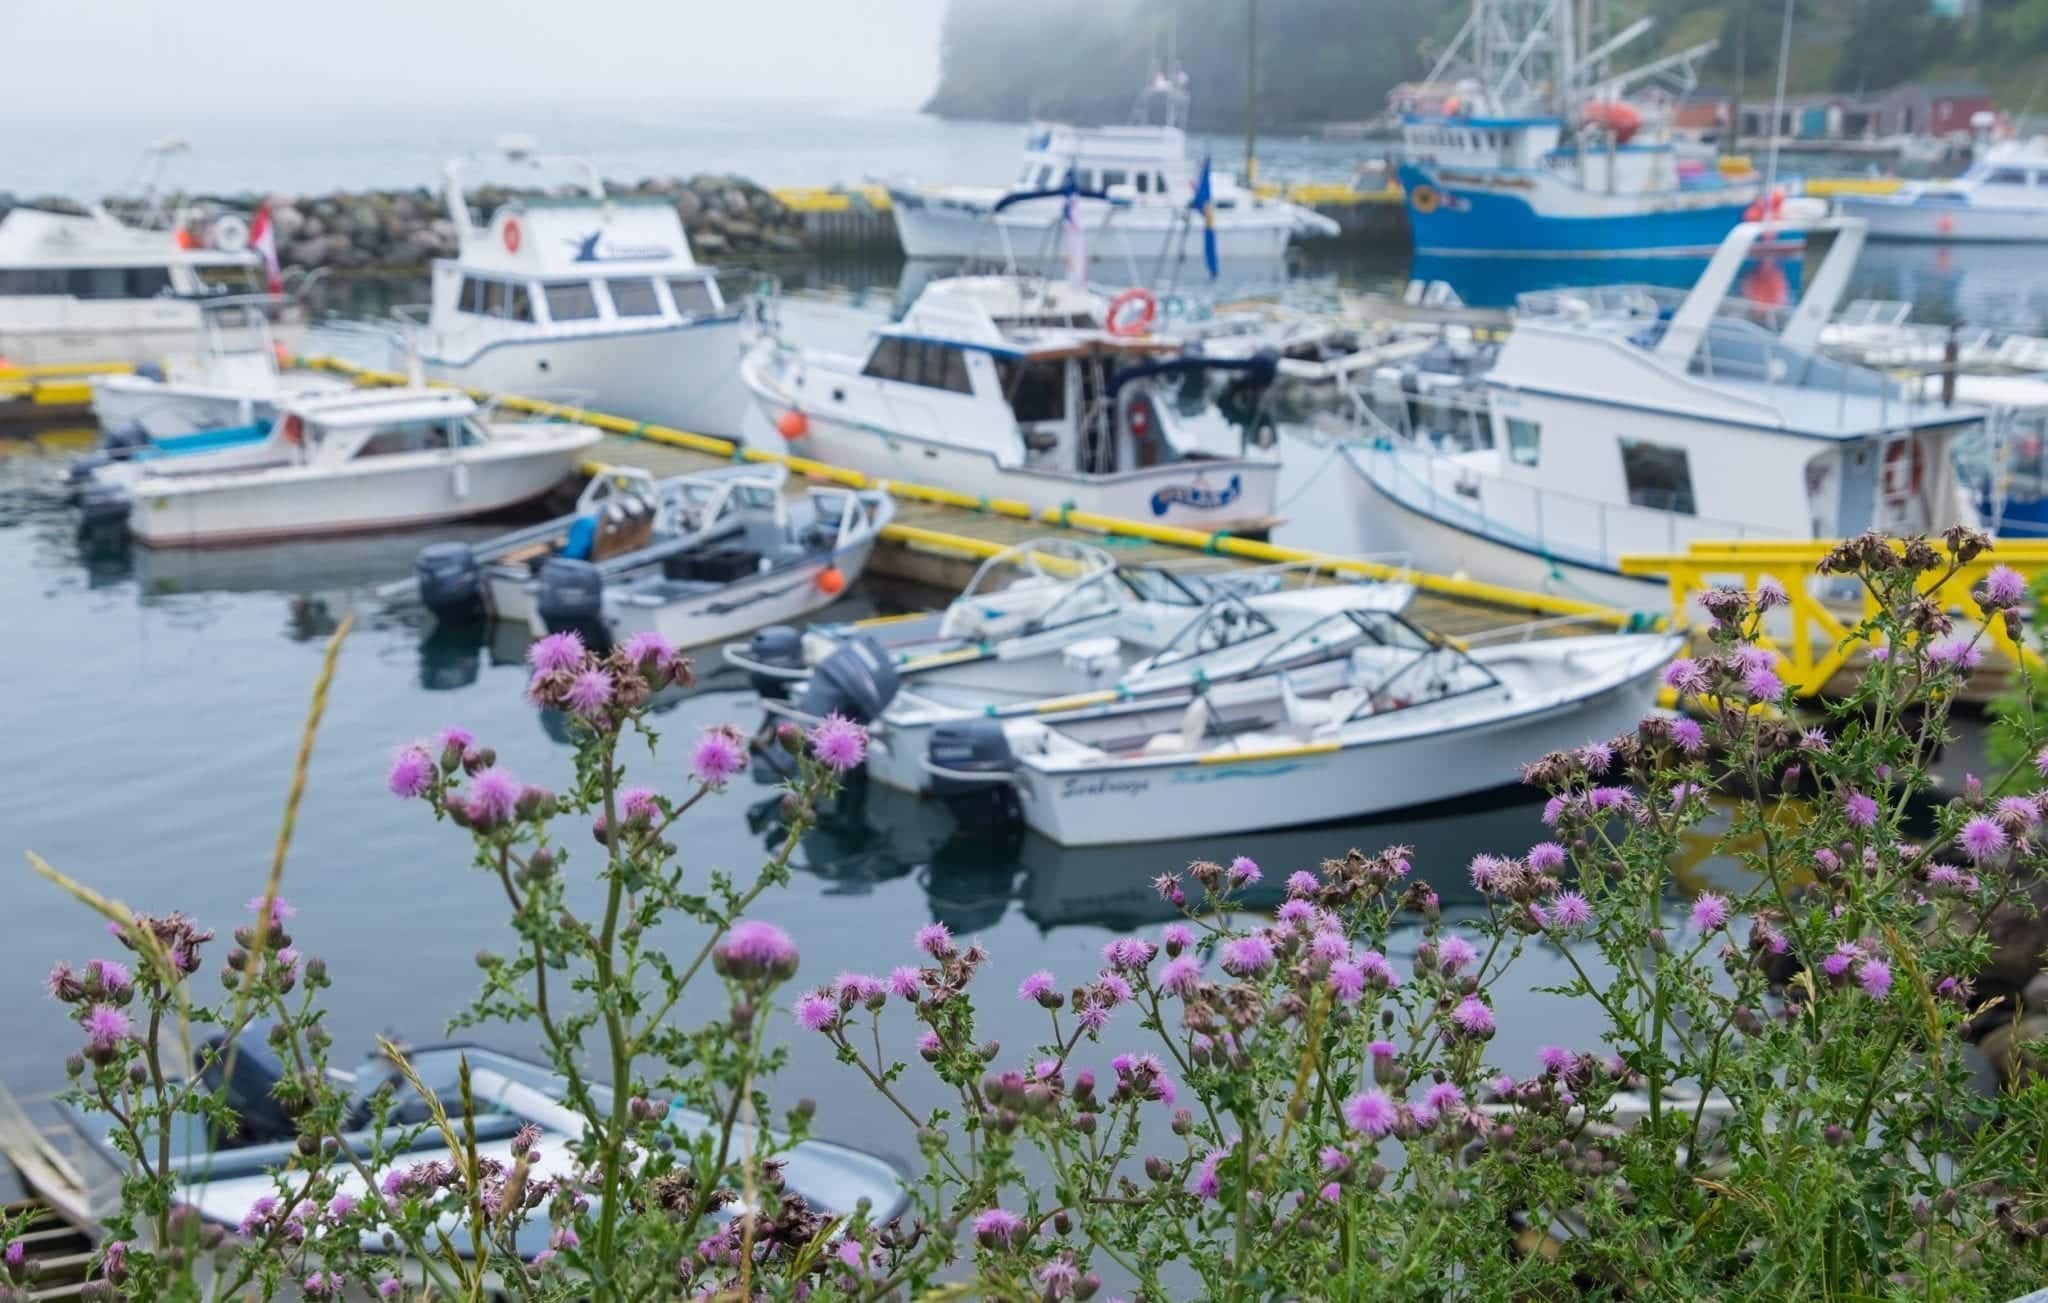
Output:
x=1156 y=637
x=224 y=1176
x=1381 y=717
x=361 y=461
x=235 y=382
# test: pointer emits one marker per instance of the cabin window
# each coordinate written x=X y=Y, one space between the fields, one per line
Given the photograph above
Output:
x=2007 y=176
x=693 y=297
x=1085 y=178
x=522 y=304
x=1144 y=180
x=633 y=296
x=886 y=362
x=570 y=300
x=1659 y=477
x=1525 y=439
x=1037 y=390
x=1114 y=176
x=32 y=282
x=1044 y=176
x=471 y=297
x=1159 y=182
x=412 y=436
x=494 y=298
x=913 y=362
x=89 y=282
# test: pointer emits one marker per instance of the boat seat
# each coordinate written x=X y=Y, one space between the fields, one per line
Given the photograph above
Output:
x=532 y=554
x=621 y=529
x=1309 y=715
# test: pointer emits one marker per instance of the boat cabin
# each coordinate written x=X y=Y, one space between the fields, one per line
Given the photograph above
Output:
x=1023 y=369
x=545 y=266
x=1144 y=164
x=94 y=257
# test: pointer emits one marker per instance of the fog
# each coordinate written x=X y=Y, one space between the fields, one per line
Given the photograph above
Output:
x=127 y=57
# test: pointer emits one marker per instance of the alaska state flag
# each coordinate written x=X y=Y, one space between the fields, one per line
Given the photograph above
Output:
x=1205 y=205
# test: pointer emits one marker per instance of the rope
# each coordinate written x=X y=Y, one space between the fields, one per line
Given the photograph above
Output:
x=1309 y=482
x=1214 y=546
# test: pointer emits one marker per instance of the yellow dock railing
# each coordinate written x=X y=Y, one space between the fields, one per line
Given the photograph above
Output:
x=824 y=199
x=1216 y=544
x=1817 y=637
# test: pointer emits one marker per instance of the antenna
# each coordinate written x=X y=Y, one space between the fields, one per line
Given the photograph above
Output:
x=1778 y=106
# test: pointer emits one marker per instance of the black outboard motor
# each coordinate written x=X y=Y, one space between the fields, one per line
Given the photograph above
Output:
x=259 y=1118
x=857 y=681
x=120 y=445
x=778 y=645
x=451 y=581
x=974 y=746
x=571 y=597
x=103 y=515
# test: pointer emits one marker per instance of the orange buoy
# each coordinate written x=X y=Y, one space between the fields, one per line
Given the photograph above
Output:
x=284 y=355
x=792 y=424
x=1622 y=119
x=831 y=582
x=184 y=239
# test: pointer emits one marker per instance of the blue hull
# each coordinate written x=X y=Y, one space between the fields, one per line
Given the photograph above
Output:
x=1474 y=222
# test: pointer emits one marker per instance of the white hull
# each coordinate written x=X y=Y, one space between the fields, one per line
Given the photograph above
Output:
x=1132 y=803
x=382 y=493
x=1963 y=223
x=786 y=596
x=686 y=376
x=164 y=411
x=59 y=333
x=1136 y=234
x=1193 y=495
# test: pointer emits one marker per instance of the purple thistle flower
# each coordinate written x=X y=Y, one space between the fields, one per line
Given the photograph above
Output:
x=1295 y=910
x=639 y=803
x=2017 y=812
x=1347 y=981
x=1370 y=1113
x=340 y=1206
x=112 y=977
x=1443 y=1096
x=1875 y=977
x=858 y=987
x=1569 y=909
x=1982 y=838
x=2041 y=762
x=1597 y=757
x=1036 y=986
x=1302 y=883
x=1058 y=1277
x=754 y=948
x=589 y=692
x=839 y=742
x=1472 y=1017
x=2004 y=587
x=1244 y=871
x=1770 y=593
x=557 y=651
x=1709 y=912
x=1859 y=810
x=1683 y=675
x=412 y=772
x=1331 y=1192
x=1609 y=798
x=1247 y=956
x=1455 y=954
x=1838 y=962
x=1546 y=857
x=997 y=1226
x=1204 y=1183
x=1333 y=1159
x=1328 y=947
x=1114 y=990
x=1487 y=870
x=1092 y=1017
x=1555 y=1059
x=105 y=1027
x=928 y=1043
x=718 y=757
x=935 y=940
x=646 y=646
x=1181 y=976
x=816 y=1011
x=1176 y=936
x=1686 y=733
x=258 y=1215
x=1763 y=685
x=906 y=982
x=1129 y=954
x=493 y=796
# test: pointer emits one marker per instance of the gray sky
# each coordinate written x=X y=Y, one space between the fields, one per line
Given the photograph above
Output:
x=127 y=55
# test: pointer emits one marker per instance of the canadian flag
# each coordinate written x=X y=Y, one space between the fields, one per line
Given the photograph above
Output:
x=263 y=239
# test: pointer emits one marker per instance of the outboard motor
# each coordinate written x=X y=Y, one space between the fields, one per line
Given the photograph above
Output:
x=857 y=681
x=451 y=581
x=571 y=597
x=778 y=645
x=259 y=1118
x=974 y=746
x=80 y=473
x=120 y=445
x=103 y=515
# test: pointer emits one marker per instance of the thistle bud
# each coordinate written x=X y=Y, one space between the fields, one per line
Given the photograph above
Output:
x=1658 y=942
x=1086 y=1287
x=1158 y=1168
x=790 y=738
x=316 y=971
x=1746 y=1019
x=1084 y=1123
x=1835 y=1134
x=1062 y=1222
x=1183 y=1122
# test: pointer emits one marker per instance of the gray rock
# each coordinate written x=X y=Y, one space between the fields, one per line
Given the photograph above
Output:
x=311 y=252
x=709 y=242
x=742 y=233
x=288 y=220
x=783 y=242
x=735 y=202
x=314 y=228
x=688 y=204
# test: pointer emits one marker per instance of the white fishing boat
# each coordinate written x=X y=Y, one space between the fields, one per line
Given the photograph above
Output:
x=1630 y=420
x=234 y=382
x=594 y=292
x=1012 y=387
x=89 y=288
x=1382 y=717
x=1130 y=191
x=1880 y=333
x=359 y=461
x=225 y=1173
x=2001 y=199
x=742 y=554
x=1130 y=634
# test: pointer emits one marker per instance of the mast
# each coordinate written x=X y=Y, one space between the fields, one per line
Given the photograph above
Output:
x=1251 y=93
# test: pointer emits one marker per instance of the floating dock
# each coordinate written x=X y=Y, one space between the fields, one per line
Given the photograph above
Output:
x=46 y=393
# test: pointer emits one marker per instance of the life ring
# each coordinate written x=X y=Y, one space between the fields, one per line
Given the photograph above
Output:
x=1425 y=199
x=510 y=235
x=229 y=234
x=1113 y=322
x=1905 y=470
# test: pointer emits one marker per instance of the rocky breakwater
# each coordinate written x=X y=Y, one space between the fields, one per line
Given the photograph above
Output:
x=401 y=230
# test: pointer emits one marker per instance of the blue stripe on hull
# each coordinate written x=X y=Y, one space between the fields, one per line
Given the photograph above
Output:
x=1476 y=221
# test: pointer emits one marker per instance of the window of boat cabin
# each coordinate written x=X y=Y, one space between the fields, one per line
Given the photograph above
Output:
x=633 y=296
x=521 y=307
x=1144 y=182
x=692 y=296
x=2007 y=176
x=1525 y=441
x=570 y=300
x=915 y=362
x=494 y=298
x=1659 y=477
x=89 y=282
x=412 y=436
x=1037 y=391
x=1114 y=176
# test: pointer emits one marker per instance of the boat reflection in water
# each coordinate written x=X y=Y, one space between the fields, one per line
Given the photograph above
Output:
x=1497 y=282
x=870 y=835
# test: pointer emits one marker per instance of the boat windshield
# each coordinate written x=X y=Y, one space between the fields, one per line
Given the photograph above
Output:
x=1033 y=565
x=1153 y=585
x=1399 y=665
x=1228 y=622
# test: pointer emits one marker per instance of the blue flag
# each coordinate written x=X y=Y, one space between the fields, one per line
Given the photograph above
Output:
x=1204 y=204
